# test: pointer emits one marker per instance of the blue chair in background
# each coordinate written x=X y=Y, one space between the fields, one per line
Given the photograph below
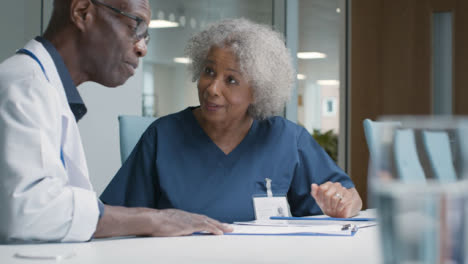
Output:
x=387 y=143
x=437 y=146
x=407 y=162
x=131 y=128
x=379 y=138
x=393 y=147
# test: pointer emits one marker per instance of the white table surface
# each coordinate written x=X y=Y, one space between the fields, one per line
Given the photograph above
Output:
x=363 y=247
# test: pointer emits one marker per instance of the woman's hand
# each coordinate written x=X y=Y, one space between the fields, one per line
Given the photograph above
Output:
x=335 y=200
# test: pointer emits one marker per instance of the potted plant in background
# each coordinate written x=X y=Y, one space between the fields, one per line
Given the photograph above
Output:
x=329 y=142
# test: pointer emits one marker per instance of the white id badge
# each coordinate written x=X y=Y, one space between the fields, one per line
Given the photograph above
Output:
x=269 y=205
x=266 y=207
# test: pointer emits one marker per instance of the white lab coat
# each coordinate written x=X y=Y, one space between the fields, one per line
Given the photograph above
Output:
x=40 y=199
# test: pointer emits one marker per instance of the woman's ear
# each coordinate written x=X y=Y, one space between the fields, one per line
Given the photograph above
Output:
x=81 y=13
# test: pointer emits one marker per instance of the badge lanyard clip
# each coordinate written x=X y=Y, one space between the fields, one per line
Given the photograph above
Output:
x=268 y=187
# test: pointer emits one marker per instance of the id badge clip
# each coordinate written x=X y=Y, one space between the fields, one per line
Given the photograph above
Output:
x=269 y=205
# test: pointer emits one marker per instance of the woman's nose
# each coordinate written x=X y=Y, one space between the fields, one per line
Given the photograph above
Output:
x=214 y=88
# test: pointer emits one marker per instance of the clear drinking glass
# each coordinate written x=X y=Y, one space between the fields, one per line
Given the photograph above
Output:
x=418 y=180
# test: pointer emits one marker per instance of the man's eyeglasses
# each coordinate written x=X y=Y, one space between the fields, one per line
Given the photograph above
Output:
x=140 y=30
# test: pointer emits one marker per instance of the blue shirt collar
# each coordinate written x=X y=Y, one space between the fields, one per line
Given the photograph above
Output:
x=77 y=105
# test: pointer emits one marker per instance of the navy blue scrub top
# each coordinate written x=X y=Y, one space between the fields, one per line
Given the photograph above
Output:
x=176 y=165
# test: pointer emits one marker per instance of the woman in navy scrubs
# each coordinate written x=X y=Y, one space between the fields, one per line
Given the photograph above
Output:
x=213 y=159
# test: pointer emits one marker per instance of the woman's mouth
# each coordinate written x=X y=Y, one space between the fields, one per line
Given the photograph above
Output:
x=212 y=107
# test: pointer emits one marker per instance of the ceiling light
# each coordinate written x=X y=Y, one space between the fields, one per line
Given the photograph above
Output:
x=182 y=60
x=311 y=55
x=182 y=21
x=328 y=82
x=159 y=23
x=301 y=76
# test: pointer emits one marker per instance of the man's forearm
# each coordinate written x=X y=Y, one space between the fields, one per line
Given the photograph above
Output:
x=122 y=221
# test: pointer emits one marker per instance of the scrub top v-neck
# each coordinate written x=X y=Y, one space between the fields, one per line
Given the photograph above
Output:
x=204 y=141
x=176 y=165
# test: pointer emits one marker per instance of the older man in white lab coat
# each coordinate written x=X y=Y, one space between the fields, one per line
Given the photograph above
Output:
x=45 y=191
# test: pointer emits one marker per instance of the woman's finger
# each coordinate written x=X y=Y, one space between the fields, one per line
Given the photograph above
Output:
x=346 y=197
x=331 y=199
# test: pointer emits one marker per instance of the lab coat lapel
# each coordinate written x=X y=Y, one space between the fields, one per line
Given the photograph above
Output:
x=71 y=146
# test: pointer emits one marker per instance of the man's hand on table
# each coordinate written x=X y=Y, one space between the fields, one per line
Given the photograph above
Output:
x=124 y=221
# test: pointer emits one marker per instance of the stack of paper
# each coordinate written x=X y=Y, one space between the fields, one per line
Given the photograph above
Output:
x=274 y=227
x=322 y=225
x=358 y=222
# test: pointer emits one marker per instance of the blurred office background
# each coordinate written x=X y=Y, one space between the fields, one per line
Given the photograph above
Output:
x=354 y=59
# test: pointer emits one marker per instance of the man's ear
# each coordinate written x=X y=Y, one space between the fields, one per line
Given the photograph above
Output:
x=81 y=13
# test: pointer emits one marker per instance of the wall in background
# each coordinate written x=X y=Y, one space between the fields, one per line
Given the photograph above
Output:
x=100 y=128
x=19 y=22
x=391 y=66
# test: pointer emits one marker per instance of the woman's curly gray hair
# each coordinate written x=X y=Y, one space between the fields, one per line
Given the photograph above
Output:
x=263 y=58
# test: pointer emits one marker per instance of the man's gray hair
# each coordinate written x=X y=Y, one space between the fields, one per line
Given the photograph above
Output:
x=264 y=61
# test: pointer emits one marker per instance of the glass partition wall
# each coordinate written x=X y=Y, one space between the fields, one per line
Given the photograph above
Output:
x=320 y=67
x=314 y=30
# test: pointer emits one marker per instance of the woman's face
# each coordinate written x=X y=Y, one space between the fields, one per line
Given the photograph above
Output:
x=224 y=93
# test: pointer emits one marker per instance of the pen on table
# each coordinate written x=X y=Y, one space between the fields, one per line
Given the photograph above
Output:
x=345 y=227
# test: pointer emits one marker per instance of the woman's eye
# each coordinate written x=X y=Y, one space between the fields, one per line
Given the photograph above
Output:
x=208 y=70
x=232 y=80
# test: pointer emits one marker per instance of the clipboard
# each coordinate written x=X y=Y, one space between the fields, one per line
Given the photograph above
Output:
x=290 y=234
x=324 y=218
x=280 y=228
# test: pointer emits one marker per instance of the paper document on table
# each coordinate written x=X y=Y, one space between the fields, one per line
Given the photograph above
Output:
x=270 y=227
x=323 y=221
x=320 y=218
x=365 y=218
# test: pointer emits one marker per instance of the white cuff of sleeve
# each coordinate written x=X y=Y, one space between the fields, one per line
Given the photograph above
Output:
x=85 y=216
